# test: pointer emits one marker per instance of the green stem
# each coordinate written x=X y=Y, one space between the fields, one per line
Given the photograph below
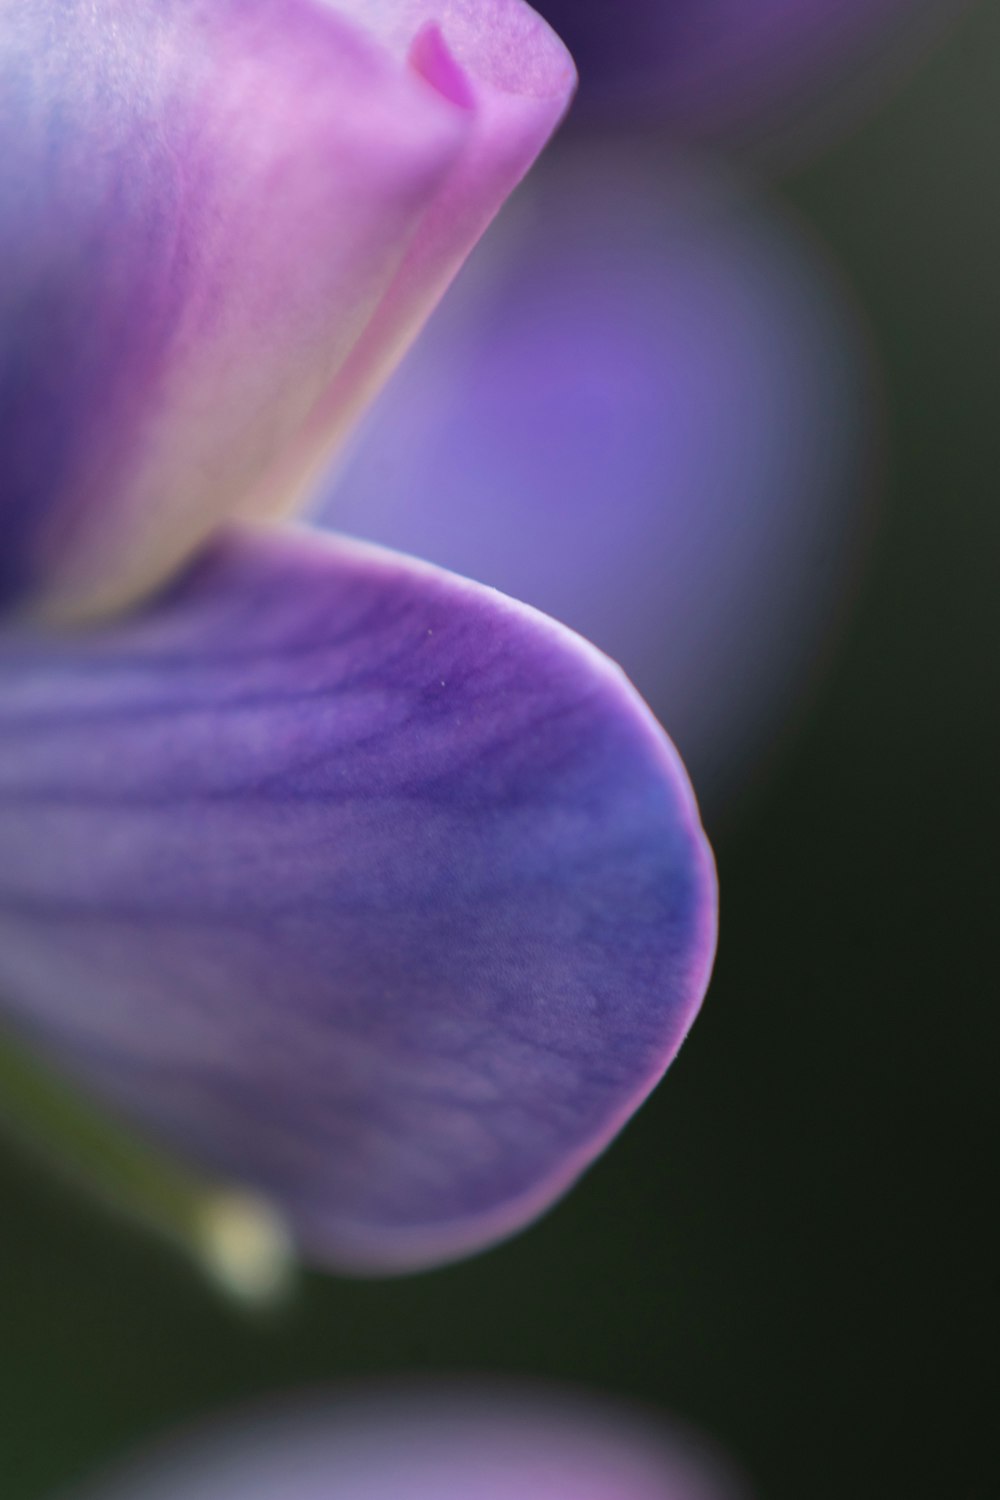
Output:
x=235 y=1237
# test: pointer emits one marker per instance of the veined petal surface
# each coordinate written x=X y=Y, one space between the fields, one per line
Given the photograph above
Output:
x=353 y=881
x=203 y=206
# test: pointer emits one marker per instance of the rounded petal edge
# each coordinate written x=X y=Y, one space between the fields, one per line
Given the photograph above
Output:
x=352 y=881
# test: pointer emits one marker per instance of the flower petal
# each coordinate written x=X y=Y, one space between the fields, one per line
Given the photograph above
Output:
x=202 y=209
x=354 y=881
x=501 y=61
x=431 y=1443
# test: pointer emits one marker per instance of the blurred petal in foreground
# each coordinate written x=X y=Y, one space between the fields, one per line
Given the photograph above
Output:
x=646 y=409
x=354 y=882
x=219 y=224
x=432 y=1444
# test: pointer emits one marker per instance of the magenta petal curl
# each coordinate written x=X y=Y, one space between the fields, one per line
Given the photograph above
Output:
x=351 y=880
x=220 y=223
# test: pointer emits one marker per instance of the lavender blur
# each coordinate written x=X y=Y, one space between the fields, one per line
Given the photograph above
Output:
x=646 y=408
x=430 y=1442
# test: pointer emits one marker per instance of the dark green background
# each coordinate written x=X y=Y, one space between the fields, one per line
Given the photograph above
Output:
x=792 y=1246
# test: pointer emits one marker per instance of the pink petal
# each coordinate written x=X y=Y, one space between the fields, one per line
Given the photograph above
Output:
x=204 y=209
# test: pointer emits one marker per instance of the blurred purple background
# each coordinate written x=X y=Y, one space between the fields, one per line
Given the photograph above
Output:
x=648 y=408
x=781 y=72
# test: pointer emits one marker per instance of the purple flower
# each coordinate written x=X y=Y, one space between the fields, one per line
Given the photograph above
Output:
x=430 y=1444
x=349 y=880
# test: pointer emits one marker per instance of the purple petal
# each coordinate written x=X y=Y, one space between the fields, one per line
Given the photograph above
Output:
x=708 y=67
x=431 y=1444
x=354 y=882
x=646 y=409
x=219 y=225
